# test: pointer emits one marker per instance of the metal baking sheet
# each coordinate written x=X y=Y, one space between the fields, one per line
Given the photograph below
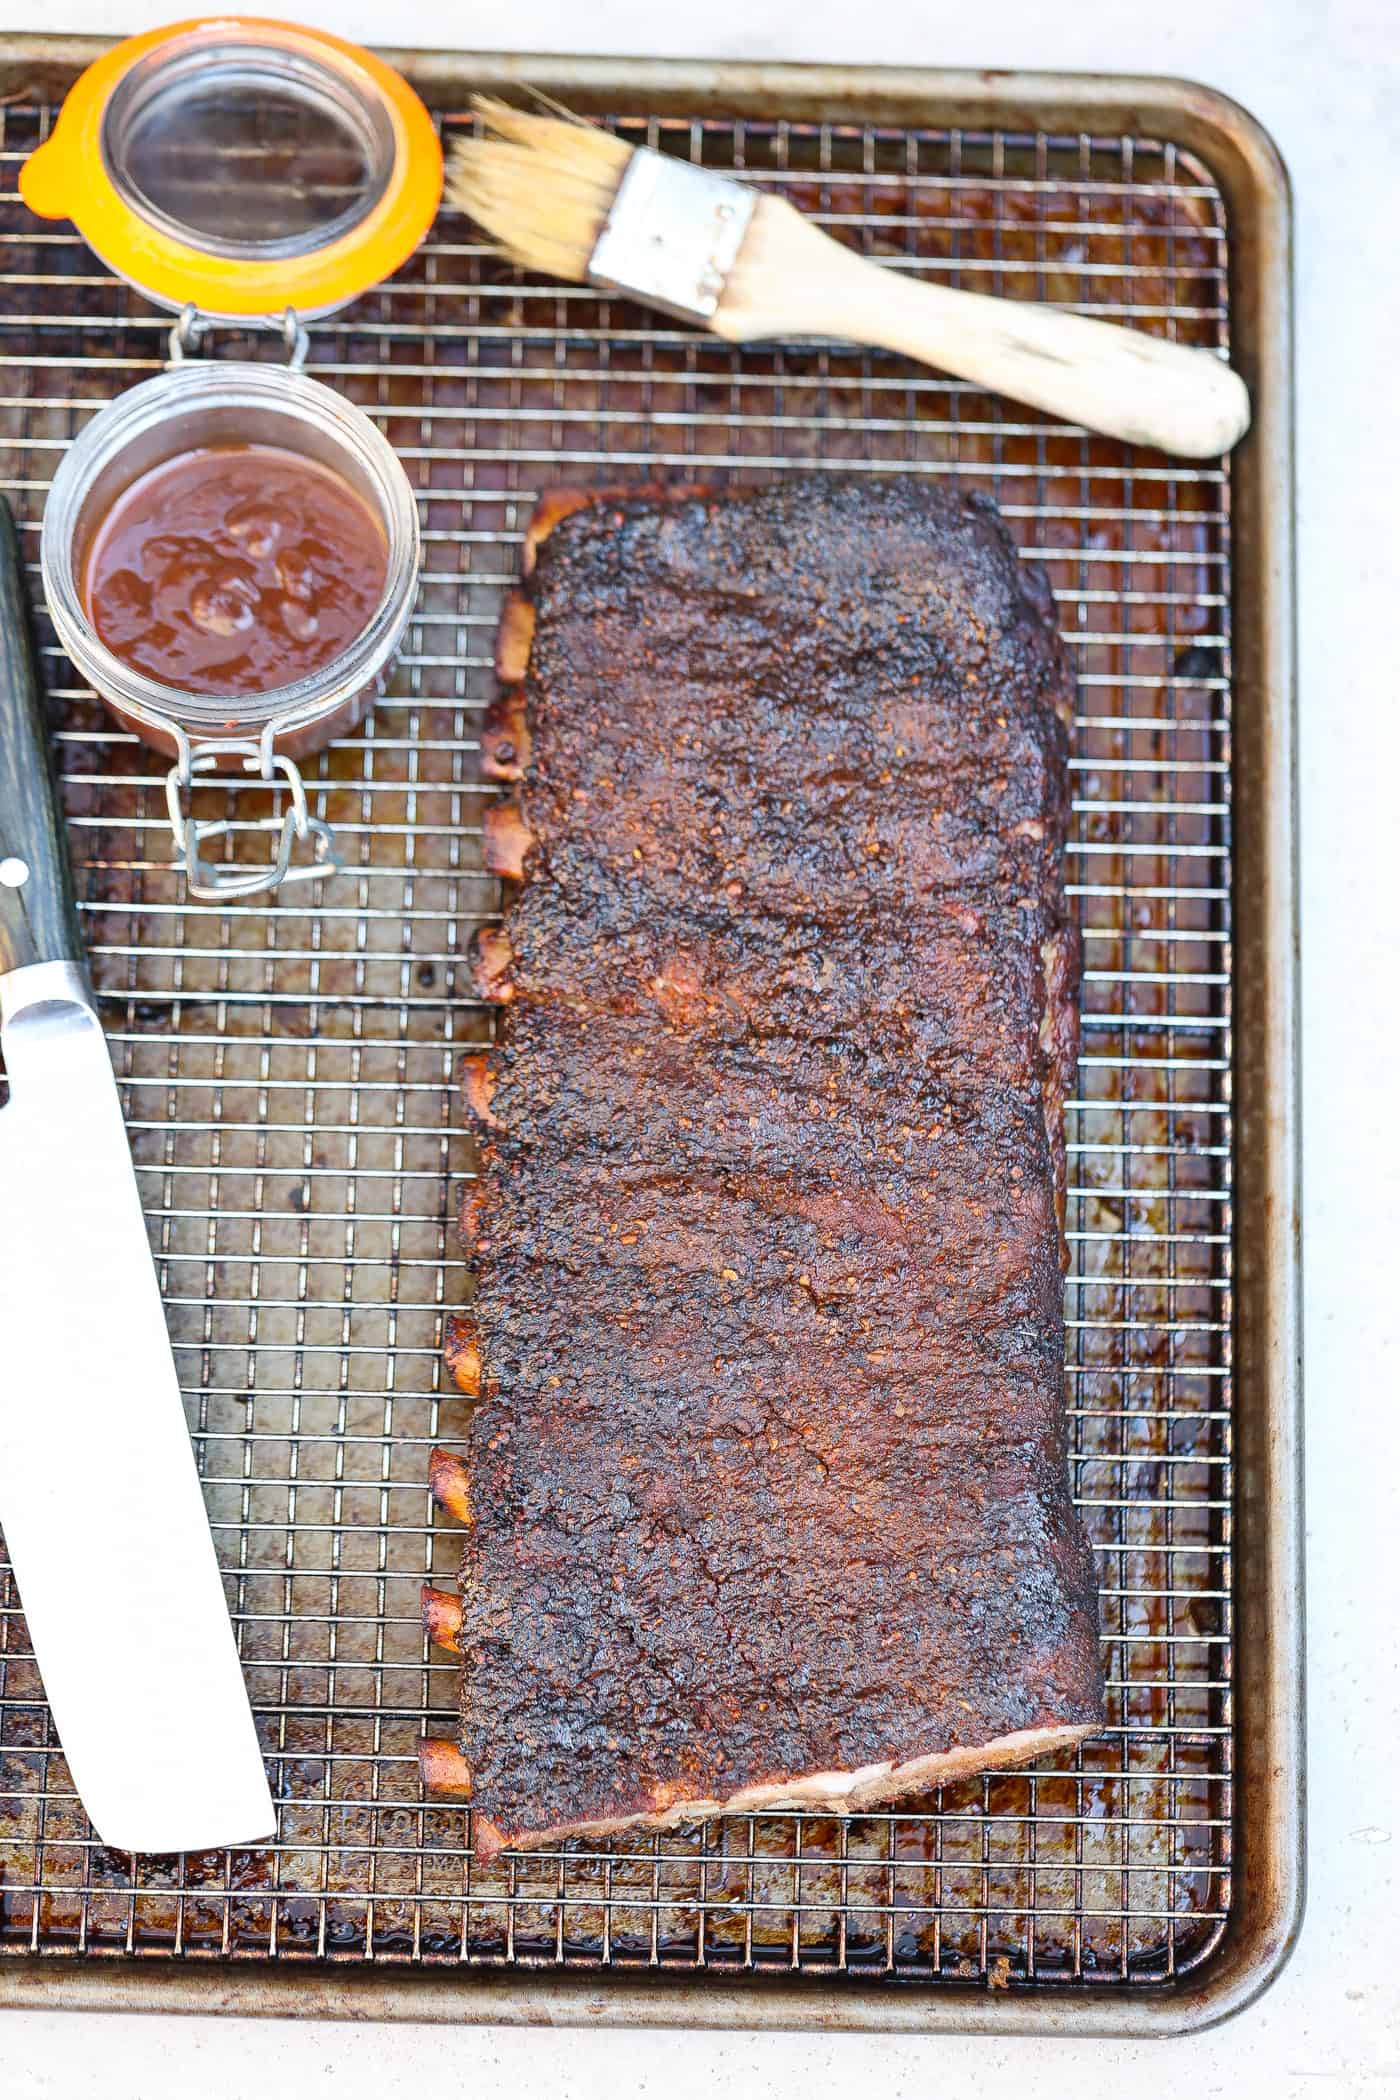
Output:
x=290 y=1079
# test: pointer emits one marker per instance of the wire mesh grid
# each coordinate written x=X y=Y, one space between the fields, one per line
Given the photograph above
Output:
x=290 y=1077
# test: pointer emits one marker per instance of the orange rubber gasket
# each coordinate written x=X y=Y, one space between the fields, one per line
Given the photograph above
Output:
x=67 y=177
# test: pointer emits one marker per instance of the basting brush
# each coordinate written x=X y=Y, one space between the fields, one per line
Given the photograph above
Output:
x=562 y=197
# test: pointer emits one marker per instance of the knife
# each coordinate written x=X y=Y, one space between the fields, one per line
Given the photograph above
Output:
x=100 y=1501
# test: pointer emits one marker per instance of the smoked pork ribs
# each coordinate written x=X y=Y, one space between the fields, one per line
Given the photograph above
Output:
x=766 y=1489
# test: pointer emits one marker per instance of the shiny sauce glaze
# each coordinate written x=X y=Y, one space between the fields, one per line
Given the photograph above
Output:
x=234 y=569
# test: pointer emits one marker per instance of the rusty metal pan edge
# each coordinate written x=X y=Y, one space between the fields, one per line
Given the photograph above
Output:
x=1270 y=1811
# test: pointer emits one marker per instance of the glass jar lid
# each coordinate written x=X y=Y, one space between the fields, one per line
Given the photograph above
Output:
x=242 y=166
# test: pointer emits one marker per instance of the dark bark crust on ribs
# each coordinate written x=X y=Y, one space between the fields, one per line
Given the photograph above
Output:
x=770 y=1475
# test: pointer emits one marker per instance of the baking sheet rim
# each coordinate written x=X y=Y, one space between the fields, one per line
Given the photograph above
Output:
x=1268 y=1832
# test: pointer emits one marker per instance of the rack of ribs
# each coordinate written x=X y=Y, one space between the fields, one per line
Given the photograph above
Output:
x=765 y=1488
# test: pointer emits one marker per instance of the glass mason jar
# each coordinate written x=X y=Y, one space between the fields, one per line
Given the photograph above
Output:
x=192 y=405
x=254 y=173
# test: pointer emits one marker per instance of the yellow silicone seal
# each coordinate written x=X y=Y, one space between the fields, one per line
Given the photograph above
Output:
x=68 y=177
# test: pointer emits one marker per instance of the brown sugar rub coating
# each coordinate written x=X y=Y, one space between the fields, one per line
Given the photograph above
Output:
x=766 y=1484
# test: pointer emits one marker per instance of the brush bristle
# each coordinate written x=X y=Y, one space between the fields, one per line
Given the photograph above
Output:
x=541 y=187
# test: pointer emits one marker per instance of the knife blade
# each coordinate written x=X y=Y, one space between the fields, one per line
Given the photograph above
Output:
x=100 y=1501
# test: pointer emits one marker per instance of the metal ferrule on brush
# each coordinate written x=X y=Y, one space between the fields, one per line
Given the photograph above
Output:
x=672 y=235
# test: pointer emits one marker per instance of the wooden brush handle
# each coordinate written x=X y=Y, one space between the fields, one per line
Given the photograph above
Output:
x=793 y=279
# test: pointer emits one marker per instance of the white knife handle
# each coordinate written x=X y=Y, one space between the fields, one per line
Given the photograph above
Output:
x=38 y=918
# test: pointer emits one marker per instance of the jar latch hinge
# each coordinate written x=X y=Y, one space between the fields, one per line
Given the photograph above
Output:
x=192 y=327
x=213 y=881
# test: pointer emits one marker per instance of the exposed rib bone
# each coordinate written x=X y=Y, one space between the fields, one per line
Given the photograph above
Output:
x=461 y=1348
x=488 y=1839
x=491 y=959
x=505 y=840
x=505 y=738
x=469 y=1218
x=513 y=638
x=553 y=506
x=447 y=1480
x=442 y=1618
x=443 y=1768
x=479 y=1087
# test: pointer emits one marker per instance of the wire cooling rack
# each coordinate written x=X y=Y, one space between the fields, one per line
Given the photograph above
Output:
x=289 y=1075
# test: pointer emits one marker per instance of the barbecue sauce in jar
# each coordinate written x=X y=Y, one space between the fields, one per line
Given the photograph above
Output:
x=234 y=569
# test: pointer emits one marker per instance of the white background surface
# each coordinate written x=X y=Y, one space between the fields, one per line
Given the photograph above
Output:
x=1324 y=77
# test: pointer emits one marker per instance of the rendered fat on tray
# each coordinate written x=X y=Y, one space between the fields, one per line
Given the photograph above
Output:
x=766 y=1493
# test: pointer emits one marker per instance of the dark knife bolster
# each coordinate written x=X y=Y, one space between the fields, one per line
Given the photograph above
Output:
x=38 y=917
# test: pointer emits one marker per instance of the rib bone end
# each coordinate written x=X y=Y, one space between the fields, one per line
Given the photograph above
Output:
x=553 y=507
x=488 y=1839
x=505 y=840
x=449 y=1484
x=513 y=638
x=505 y=738
x=479 y=1088
x=442 y=1618
x=490 y=965
x=461 y=1347
x=444 y=1770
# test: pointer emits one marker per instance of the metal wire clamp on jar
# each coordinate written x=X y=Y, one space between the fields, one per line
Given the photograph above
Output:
x=341 y=176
